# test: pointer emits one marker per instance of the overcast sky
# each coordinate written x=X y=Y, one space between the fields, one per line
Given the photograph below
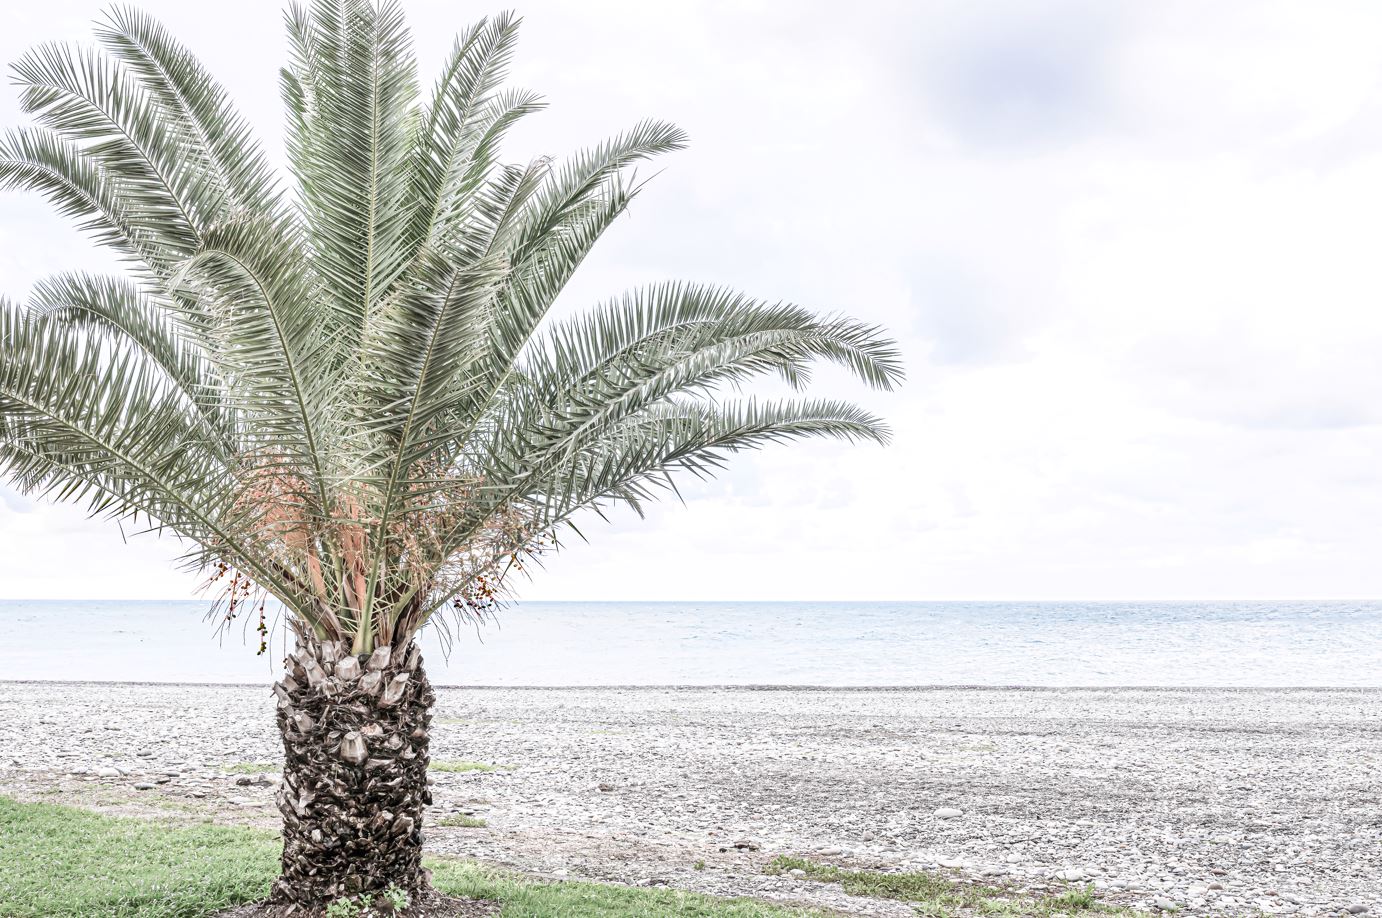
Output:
x=1130 y=250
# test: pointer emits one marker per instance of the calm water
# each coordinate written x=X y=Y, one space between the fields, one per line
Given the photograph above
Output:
x=941 y=643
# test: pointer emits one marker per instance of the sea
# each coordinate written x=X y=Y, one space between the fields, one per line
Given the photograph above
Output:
x=1205 y=644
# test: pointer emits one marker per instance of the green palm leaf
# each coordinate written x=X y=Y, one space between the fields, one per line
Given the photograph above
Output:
x=353 y=394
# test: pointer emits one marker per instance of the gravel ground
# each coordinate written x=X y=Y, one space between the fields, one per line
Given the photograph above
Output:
x=1214 y=802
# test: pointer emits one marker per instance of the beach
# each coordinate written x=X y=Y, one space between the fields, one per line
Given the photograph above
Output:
x=1206 y=801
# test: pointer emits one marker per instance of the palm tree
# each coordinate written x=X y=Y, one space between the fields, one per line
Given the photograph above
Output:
x=347 y=397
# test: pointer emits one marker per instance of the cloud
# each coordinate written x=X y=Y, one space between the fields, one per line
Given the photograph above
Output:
x=1006 y=78
x=961 y=318
x=1129 y=252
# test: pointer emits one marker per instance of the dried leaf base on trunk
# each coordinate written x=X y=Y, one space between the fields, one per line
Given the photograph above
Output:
x=355 y=733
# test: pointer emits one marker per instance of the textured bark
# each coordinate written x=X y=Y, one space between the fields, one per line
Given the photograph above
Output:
x=355 y=734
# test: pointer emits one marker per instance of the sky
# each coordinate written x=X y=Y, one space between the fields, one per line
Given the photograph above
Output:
x=1128 y=249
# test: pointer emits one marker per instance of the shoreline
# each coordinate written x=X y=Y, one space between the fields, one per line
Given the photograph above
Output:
x=1223 y=802
x=756 y=687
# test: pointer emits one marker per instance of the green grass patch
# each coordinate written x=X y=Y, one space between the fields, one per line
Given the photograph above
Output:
x=461 y=821
x=60 y=862
x=524 y=898
x=250 y=768
x=444 y=765
x=941 y=895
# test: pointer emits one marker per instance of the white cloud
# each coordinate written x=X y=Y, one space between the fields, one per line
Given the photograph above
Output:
x=1127 y=249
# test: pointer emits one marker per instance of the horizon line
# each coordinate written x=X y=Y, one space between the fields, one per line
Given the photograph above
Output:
x=759 y=687
x=515 y=602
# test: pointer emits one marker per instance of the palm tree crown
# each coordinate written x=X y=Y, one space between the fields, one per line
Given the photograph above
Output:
x=346 y=391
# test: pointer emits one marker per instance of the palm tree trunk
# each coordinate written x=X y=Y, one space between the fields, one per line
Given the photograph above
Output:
x=355 y=732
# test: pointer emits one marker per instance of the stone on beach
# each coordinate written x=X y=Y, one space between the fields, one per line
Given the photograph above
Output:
x=1207 y=800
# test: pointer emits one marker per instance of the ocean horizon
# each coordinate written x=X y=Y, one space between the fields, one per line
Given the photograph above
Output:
x=1326 y=644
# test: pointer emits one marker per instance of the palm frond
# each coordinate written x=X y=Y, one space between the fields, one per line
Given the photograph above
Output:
x=354 y=90
x=116 y=307
x=195 y=105
x=464 y=123
x=85 y=420
x=36 y=159
x=86 y=98
x=356 y=396
x=261 y=318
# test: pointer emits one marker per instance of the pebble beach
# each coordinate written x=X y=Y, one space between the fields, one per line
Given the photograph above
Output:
x=1197 y=801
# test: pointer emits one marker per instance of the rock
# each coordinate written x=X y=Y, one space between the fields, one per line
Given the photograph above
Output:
x=107 y=772
x=1163 y=904
x=162 y=779
x=1357 y=909
x=950 y=862
x=992 y=872
x=746 y=844
x=144 y=785
x=1070 y=874
x=948 y=812
x=797 y=872
x=244 y=781
x=1014 y=858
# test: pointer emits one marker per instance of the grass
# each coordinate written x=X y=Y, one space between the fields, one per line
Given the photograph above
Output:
x=60 y=862
x=526 y=899
x=250 y=768
x=444 y=765
x=461 y=821
x=936 y=894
